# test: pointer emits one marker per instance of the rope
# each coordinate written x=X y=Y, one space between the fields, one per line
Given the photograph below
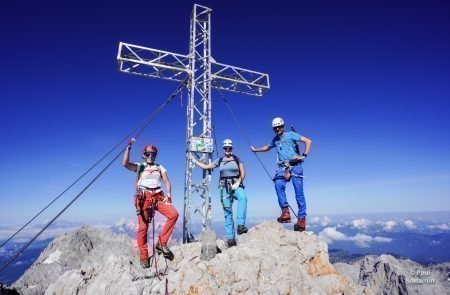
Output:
x=243 y=132
x=215 y=140
x=145 y=123
x=247 y=139
x=61 y=212
x=153 y=242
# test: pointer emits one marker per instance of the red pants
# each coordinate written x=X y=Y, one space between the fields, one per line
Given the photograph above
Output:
x=167 y=210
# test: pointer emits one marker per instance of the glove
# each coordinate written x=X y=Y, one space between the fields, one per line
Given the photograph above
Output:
x=236 y=185
x=167 y=199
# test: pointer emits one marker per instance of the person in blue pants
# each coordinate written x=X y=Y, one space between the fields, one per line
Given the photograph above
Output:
x=232 y=174
x=289 y=168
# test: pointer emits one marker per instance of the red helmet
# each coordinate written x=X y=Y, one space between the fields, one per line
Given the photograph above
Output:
x=150 y=149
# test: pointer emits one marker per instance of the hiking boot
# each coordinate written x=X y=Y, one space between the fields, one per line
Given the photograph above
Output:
x=162 y=248
x=231 y=243
x=285 y=217
x=300 y=225
x=145 y=263
x=241 y=229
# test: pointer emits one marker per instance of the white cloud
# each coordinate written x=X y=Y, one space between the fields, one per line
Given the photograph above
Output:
x=434 y=242
x=330 y=234
x=409 y=224
x=388 y=225
x=442 y=226
x=124 y=226
x=315 y=219
x=382 y=240
x=325 y=221
x=360 y=223
x=54 y=230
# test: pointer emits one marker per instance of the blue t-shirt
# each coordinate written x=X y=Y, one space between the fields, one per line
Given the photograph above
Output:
x=228 y=167
x=286 y=145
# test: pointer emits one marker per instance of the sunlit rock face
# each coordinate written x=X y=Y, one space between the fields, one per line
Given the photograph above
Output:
x=386 y=274
x=267 y=260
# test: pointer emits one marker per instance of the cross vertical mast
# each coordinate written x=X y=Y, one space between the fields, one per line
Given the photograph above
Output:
x=198 y=117
x=201 y=72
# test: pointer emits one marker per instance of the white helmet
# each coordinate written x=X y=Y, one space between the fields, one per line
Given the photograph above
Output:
x=277 y=122
x=227 y=143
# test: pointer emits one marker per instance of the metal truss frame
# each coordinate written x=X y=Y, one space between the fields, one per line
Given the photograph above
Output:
x=202 y=73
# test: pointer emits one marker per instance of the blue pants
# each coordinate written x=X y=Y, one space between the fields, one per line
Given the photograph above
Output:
x=241 y=197
x=280 y=187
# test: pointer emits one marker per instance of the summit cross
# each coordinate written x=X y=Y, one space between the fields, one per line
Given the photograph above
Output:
x=200 y=72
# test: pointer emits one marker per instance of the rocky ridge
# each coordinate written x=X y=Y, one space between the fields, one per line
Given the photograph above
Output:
x=386 y=274
x=267 y=260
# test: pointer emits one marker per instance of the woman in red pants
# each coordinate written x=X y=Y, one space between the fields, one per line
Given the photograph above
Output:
x=150 y=197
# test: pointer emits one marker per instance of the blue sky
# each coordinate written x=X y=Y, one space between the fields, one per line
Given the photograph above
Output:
x=367 y=81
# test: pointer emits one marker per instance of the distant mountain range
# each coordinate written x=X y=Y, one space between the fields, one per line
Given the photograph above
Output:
x=267 y=260
x=422 y=237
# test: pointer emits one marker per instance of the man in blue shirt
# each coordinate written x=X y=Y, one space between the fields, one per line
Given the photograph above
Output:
x=289 y=166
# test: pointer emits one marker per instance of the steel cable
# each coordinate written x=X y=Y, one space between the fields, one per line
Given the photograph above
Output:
x=243 y=132
x=248 y=141
x=144 y=125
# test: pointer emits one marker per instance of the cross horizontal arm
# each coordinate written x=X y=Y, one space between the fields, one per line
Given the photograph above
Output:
x=153 y=63
x=235 y=79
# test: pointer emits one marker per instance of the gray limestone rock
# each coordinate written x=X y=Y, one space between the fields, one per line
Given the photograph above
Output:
x=267 y=260
x=209 y=244
x=385 y=274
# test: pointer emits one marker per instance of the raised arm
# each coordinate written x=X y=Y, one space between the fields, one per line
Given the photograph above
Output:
x=261 y=149
x=126 y=160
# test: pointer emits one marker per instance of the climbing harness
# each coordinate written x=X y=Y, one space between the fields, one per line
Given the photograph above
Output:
x=247 y=139
x=140 y=128
x=287 y=166
x=226 y=182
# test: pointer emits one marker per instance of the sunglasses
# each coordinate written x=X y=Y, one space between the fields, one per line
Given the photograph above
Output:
x=149 y=154
x=278 y=127
x=227 y=148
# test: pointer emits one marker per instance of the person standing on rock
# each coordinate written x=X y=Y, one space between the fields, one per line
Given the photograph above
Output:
x=289 y=166
x=149 y=198
x=232 y=174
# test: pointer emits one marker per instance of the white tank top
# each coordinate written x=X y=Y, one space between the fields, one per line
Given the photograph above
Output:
x=150 y=176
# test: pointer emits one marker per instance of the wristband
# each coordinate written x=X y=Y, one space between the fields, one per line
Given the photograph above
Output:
x=304 y=155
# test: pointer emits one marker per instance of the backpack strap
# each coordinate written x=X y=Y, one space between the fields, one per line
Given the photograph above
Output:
x=141 y=168
x=236 y=159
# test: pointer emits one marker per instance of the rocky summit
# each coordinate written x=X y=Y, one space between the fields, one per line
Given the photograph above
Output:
x=267 y=260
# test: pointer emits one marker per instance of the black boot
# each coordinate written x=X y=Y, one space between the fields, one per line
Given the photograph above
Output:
x=145 y=263
x=231 y=243
x=241 y=229
x=165 y=251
